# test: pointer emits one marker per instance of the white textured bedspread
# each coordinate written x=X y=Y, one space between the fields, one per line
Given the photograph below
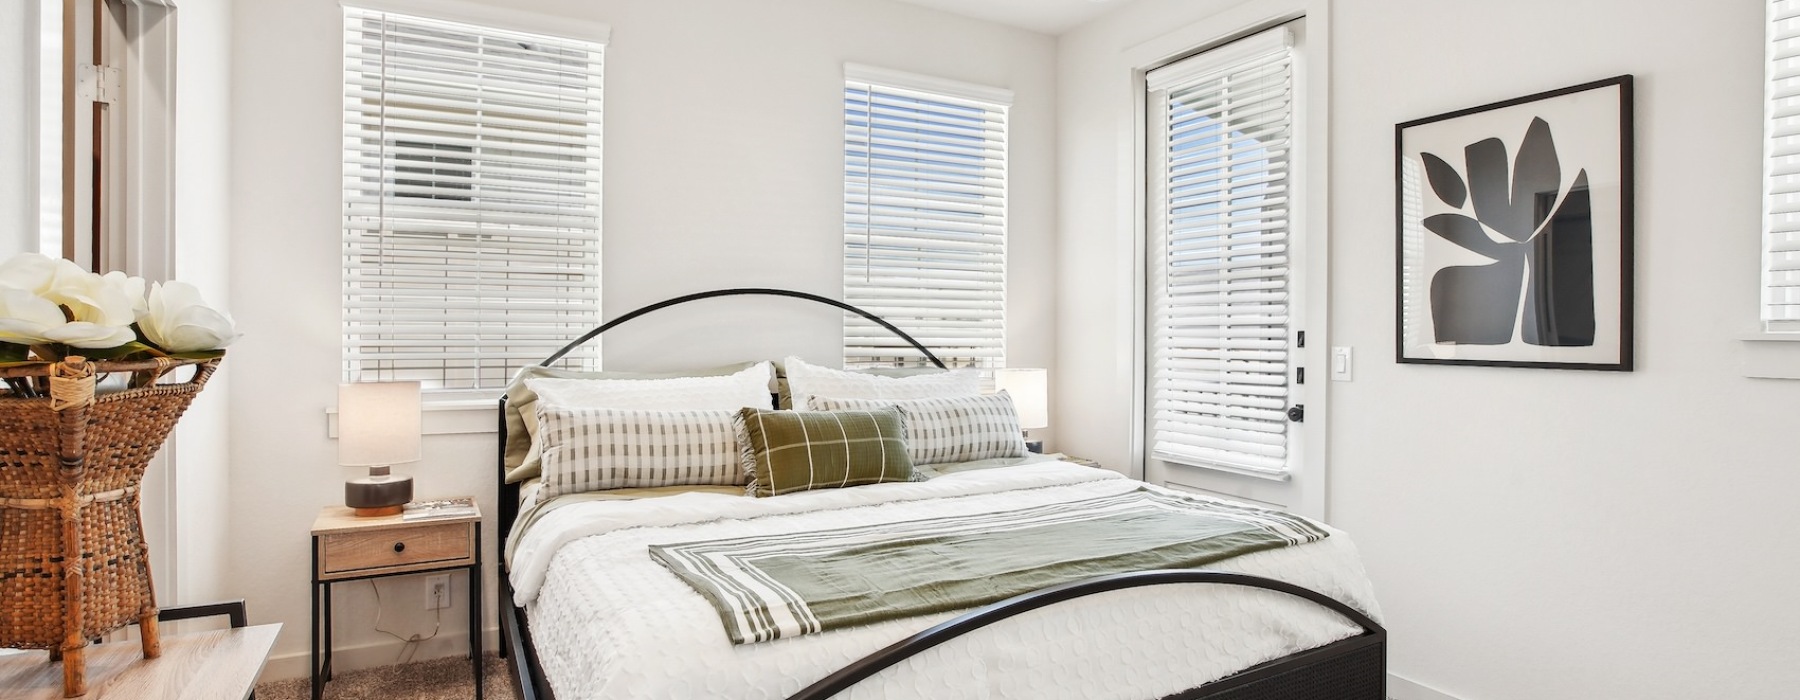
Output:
x=609 y=622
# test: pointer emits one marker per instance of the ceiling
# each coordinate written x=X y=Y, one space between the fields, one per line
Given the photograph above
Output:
x=1044 y=16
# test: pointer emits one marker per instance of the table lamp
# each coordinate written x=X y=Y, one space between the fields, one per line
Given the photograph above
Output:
x=378 y=426
x=1030 y=391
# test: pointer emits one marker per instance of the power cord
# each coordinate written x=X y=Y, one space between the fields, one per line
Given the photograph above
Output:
x=410 y=645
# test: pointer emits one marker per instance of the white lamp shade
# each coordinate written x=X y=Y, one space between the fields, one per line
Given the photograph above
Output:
x=1030 y=391
x=378 y=423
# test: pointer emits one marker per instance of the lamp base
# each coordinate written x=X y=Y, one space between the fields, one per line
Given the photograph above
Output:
x=373 y=496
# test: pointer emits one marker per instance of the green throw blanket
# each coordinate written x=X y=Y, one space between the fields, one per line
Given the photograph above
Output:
x=769 y=587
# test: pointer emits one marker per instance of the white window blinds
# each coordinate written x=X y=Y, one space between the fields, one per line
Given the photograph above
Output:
x=1219 y=134
x=1781 y=229
x=471 y=198
x=924 y=218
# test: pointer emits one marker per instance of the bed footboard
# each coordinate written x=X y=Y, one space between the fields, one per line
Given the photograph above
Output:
x=1349 y=669
x=1354 y=668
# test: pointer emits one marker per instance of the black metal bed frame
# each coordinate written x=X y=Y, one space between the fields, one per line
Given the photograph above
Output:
x=1354 y=668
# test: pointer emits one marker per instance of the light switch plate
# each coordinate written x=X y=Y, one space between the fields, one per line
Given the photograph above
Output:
x=1341 y=362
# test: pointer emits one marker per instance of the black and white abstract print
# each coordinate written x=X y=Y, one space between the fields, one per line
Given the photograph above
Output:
x=1515 y=232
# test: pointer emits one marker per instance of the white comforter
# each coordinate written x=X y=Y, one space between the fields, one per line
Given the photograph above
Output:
x=609 y=622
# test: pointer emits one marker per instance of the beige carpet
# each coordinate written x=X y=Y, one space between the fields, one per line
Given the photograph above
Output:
x=438 y=679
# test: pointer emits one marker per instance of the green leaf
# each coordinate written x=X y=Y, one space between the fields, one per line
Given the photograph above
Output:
x=145 y=339
x=198 y=354
x=14 y=352
x=119 y=353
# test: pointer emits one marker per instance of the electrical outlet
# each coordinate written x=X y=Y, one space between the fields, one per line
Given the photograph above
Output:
x=437 y=591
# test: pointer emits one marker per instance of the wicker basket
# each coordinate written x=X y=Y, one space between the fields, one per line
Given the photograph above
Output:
x=70 y=467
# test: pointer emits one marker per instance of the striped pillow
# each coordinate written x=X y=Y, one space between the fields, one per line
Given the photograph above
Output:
x=958 y=429
x=789 y=451
x=588 y=449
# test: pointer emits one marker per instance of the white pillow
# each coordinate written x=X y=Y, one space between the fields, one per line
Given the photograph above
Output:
x=730 y=392
x=807 y=380
x=587 y=449
x=954 y=429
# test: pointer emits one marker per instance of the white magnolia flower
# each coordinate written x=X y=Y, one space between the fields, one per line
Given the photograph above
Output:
x=82 y=334
x=133 y=289
x=35 y=273
x=180 y=321
x=106 y=301
x=28 y=319
x=94 y=299
x=25 y=318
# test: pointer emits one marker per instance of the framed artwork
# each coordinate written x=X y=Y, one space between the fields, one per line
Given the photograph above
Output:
x=1514 y=240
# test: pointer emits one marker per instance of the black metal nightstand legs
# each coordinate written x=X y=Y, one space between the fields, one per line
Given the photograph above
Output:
x=318 y=683
x=475 y=619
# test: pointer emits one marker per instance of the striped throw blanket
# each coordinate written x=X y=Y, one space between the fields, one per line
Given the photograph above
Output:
x=773 y=587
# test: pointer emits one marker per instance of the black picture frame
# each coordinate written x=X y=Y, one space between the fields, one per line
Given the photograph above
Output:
x=1513 y=232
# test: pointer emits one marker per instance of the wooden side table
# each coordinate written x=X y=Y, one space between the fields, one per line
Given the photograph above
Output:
x=349 y=548
x=219 y=664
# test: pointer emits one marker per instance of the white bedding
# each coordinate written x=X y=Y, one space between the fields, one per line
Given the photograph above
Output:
x=609 y=622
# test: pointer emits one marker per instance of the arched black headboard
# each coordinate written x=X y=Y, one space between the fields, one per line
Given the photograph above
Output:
x=746 y=291
x=509 y=493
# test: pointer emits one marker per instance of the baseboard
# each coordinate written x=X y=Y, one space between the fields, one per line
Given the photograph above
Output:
x=447 y=643
x=1402 y=689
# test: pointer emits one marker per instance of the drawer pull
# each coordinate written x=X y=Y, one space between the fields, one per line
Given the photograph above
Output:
x=399 y=547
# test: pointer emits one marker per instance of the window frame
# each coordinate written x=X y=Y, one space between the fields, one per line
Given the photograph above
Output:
x=1235 y=168
x=1305 y=492
x=495 y=135
x=1781 y=172
x=994 y=105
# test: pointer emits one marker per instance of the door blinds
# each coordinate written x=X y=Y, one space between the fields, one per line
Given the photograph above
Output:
x=1219 y=129
x=471 y=198
x=924 y=217
x=1781 y=241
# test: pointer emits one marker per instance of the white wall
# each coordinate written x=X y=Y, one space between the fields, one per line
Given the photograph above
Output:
x=18 y=46
x=204 y=471
x=1531 y=533
x=723 y=168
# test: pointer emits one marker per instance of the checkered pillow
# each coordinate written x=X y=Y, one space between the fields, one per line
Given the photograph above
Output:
x=588 y=449
x=958 y=429
x=789 y=451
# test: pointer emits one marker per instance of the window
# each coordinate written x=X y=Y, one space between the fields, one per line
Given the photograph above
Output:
x=471 y=199
x=924 y=218
x=1221 y=329
x=1781 y=222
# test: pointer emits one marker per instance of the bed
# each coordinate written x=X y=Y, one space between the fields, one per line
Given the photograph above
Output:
x=606 y=594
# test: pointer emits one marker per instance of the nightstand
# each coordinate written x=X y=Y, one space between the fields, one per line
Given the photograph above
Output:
x=351 y=548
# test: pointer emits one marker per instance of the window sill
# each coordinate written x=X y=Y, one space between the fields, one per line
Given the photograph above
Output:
x=1770 y=355
x=442 y=417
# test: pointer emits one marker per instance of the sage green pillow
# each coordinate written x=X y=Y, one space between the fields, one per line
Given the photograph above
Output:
x=790 y=451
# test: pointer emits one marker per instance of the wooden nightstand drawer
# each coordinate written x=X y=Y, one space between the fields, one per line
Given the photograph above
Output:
x=360 y=553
